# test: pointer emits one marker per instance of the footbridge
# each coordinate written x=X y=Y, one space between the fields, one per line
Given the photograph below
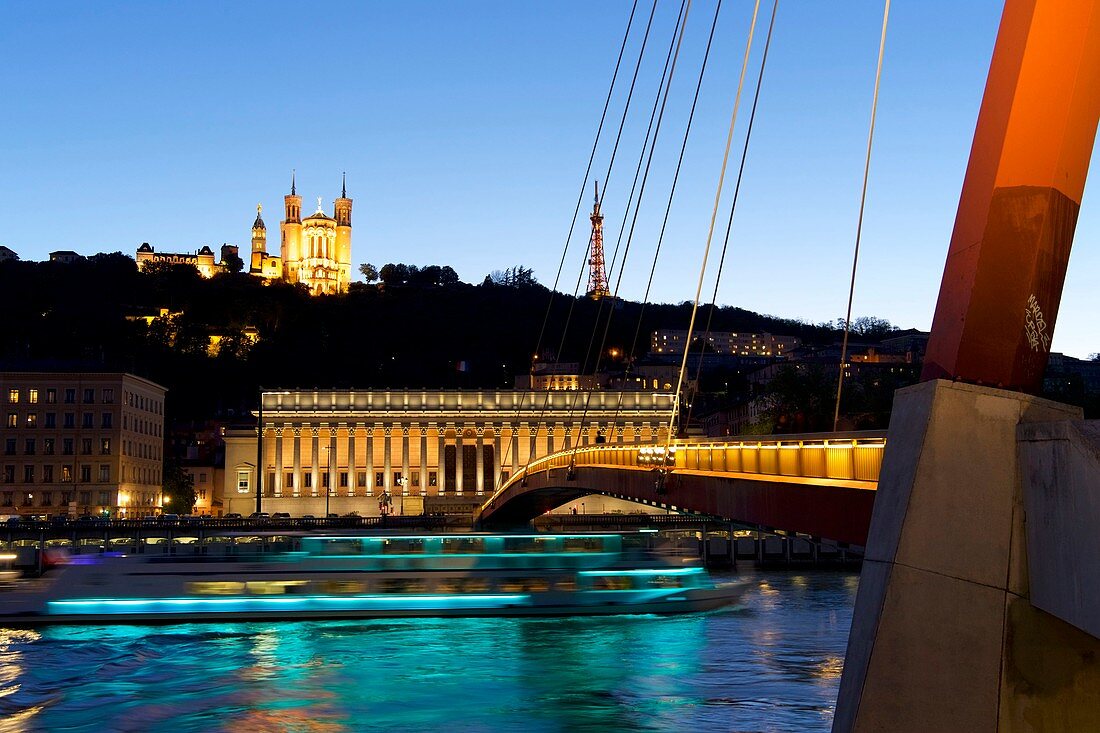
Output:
x=818 y=484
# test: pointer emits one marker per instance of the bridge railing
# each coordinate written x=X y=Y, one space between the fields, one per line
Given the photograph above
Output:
x=853 y=456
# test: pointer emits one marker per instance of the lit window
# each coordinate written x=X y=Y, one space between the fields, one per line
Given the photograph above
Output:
x=32 y=420
x=13 y=396
x=13 y=420
x=51 y=396
x=32 y=396
x=244 y=482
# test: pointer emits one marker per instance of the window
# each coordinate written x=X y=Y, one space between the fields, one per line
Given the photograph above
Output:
x=66 y=446
x=244 y=482
x=105 y=446
x=28 y=499
x=202 y=494
x=106 y=420
x=47 y=474
x=85 y=473
x=85 y=497
x=307 y=480
x=361 y=479
x=13 y=420
x=416 y=478
x=47 y=446
x=32 y=396
x=379 y=478
x=104 y=498
x=9 y=474
x=32 y=419
x=104 y=472
x=70 y=420
x=47 y=498
x=28 y=447
x=89 y=396
x=51 y=419
x=9 y=447
x=70 y=396
x=202 y=477
x=28 y=474
x=108 y=396
x=324 y=480
x=397 y=478
x=66 y=474
x=13 y=396
x=88 y=417
x=51 y=396
x=7 y=498
x=288 y=480
x=85 y=446
x=343 y=479
x=432 y=480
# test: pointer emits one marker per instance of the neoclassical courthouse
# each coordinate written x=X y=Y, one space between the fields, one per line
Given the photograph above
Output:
x=315 y=251
x=354 y=445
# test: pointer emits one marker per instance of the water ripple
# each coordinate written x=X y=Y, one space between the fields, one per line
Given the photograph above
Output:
x=773 y=665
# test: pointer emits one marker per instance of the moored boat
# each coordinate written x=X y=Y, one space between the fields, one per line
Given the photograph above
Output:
x=371 y=576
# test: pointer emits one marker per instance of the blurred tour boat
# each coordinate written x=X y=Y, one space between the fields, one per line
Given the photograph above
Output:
x=355 y=577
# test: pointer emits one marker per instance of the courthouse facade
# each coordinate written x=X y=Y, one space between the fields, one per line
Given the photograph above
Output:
x=339 y=450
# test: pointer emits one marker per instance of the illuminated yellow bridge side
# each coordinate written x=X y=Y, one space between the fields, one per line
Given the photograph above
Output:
x=815 y=483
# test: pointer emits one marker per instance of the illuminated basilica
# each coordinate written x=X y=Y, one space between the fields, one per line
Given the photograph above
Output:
x=315 y=251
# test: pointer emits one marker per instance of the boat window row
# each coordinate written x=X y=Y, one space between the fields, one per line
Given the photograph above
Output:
x=421 y=585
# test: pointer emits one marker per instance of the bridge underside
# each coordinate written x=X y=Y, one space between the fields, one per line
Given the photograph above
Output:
x=830 y=509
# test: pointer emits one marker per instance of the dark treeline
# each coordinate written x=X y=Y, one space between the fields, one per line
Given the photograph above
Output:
x=75 y=316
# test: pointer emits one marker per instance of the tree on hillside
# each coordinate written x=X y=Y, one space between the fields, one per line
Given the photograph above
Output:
x=233 y=262
x=369 y=272
x=513 y=277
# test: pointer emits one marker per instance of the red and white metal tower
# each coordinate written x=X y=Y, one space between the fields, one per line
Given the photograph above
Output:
x=597 y=277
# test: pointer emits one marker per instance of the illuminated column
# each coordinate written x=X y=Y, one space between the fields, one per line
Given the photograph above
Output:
x=458 y=460
x=423 y=461
x=315 y=472
x=532 y=436
x=352 y=482
x=585 y=430
x=370 y=461
x=515 y=449
x=496 y=457
x=569 y=436
x=549 y=438
x=404 y=461
x=440 y=472
x=333 y=460
x=296 y=489
x=278 y=487
x=619 y=435
x=387 y=460
x=479 y=461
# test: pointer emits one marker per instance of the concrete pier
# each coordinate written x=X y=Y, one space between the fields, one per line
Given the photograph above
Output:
x=945 y=636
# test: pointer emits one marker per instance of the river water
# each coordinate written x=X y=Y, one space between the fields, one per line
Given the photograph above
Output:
x=773 y=664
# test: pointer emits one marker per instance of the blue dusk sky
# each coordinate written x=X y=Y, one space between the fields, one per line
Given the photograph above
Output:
x=465 y=129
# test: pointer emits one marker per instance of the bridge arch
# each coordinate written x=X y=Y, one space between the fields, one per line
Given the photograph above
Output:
x=821 y=485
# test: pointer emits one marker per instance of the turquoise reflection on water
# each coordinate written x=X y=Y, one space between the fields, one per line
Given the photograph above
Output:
x=772 y=665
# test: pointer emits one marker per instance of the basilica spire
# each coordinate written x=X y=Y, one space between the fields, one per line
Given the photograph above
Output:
x=344 y=185
x=293 y=192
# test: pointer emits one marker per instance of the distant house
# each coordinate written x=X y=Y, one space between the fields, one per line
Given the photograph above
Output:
x=65 y=256
x=7 y=254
